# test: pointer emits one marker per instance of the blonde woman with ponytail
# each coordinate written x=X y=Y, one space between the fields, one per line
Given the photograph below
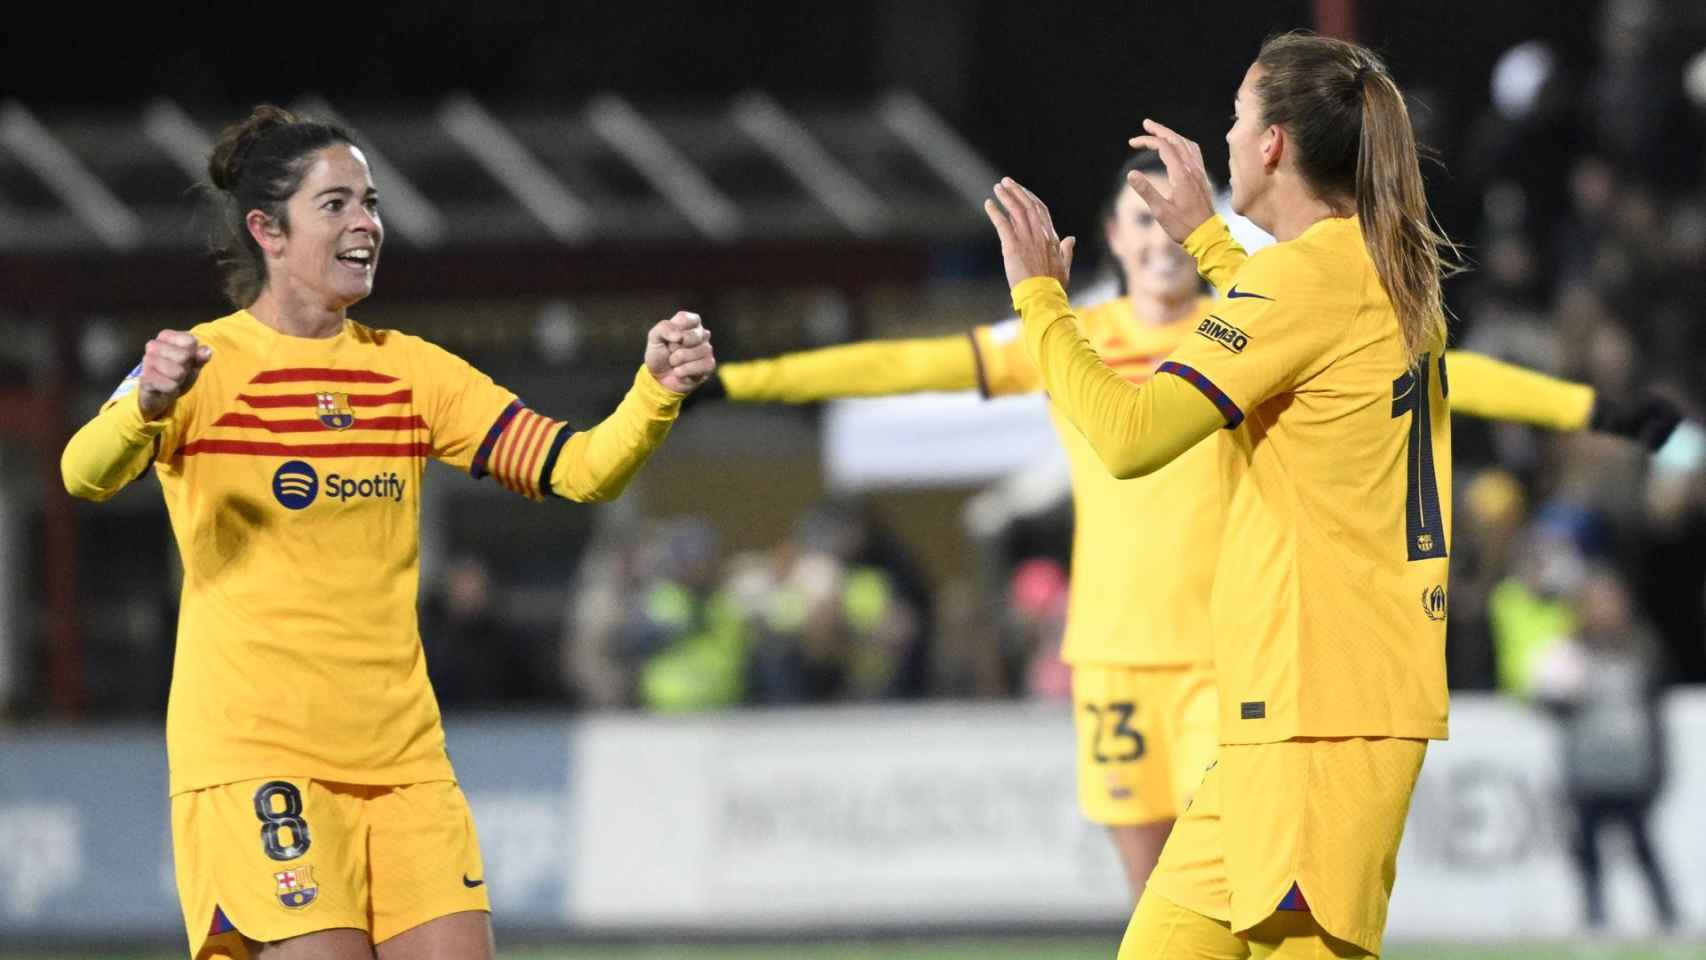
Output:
x=1325 y=360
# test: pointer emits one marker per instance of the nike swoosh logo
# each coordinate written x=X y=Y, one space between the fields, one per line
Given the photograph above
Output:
x=470 y=883
x=1236 y=293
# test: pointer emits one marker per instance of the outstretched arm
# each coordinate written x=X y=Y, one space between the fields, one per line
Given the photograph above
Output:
x=597 y=464
x=878 y=368
x=1484 y=387
x=117 y=445
x=490 y=432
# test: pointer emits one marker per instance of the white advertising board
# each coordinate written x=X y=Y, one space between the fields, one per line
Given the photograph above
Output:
x=966 y=815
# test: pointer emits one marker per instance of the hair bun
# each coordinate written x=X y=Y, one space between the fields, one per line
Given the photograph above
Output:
x=225 y=166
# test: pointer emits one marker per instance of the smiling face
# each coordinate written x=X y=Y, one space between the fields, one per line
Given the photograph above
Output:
x=1245 y=142
x=331 y=251
x=1153 y=264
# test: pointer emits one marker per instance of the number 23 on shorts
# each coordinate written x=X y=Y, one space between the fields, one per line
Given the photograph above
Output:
x=1115 y=740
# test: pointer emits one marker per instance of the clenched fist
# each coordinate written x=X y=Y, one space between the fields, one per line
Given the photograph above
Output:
x=678 y=353
x=170 y=363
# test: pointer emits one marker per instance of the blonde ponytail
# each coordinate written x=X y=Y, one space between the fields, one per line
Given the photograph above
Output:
x=1339 y=105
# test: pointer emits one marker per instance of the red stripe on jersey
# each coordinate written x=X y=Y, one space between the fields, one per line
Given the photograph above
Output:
x=309 y=399
x=499 y=462
x=530 y=460
x=527 y=465
x=310 y=374
x=258 y=448
x=524 y=427
x=312 y=426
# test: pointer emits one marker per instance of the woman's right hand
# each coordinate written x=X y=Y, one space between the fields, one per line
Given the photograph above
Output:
x=170 y=363
x=678 y=353
x=1189 y=200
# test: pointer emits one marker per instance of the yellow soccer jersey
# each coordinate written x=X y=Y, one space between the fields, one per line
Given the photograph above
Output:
x=292 y=474
x=1142 y=549
x=1329 y=599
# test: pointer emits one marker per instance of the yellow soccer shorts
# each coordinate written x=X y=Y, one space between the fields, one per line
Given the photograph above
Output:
x=1285 y=827
x=1163 y=930
x=1145 y=736
x=278 y=858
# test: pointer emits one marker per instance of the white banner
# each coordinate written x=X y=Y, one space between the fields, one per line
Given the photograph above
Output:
x=966 y=815
x=955 y=815
x=934 y=439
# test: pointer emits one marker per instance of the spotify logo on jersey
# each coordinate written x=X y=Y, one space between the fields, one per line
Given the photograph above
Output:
x=295 y=485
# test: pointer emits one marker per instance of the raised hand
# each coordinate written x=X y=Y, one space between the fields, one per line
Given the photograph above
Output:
x=678 y=353
x=1189 y=201
x=170 y=364
x=1029 y=245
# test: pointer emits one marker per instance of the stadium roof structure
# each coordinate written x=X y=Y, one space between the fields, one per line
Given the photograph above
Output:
x=605 y=196
x=463 y=174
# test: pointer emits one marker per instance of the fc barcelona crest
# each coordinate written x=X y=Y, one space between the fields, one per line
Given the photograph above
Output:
x=296 y=887
x=335 y=413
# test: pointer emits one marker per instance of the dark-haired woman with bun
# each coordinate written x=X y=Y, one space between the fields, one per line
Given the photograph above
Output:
x=314 y=809
x=1325 y=361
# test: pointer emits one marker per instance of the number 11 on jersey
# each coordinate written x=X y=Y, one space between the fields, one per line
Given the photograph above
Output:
x=1424 y=524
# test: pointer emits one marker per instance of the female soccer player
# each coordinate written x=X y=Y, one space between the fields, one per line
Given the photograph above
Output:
x=1144 y=549
x=1138 y=619
x=314 y=809
x=1329 y=601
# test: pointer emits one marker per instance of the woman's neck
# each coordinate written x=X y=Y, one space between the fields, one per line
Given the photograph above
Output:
x=296 y=317
x=1296 y=210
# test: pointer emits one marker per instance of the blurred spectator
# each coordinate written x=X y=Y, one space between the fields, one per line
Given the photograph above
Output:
x=473 y=657
x=1670 y=559
x=1521 y=146
x=599 y=596
x=789 y=600
x=1491 y=507
x=825 y=628
x=1530 y=611
x=890 y=606
x=1604 y=684
x=684 y=637
x=967 y=656
x=1038 y=600
x=1636 y=108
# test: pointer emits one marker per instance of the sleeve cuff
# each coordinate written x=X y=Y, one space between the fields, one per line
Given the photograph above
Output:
x=661 y=398
x=1035 y=287
x=132 y=424
x=977 y=365
x=1207 y=234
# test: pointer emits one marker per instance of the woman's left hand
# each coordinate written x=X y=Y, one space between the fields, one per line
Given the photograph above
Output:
x=678 y=353
x=1029 y=245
